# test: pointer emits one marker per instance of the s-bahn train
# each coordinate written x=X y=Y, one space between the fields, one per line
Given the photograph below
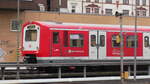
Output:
x=48 y=42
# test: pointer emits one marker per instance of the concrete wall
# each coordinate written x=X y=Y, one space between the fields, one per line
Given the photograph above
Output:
x=9 y=37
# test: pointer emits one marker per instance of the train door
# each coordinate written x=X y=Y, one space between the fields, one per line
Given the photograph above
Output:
x=146 y=44
x=56 y=43
x=102 y=44
x=93 y=49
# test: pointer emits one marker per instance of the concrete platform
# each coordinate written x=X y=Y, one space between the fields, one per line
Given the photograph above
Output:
x=90 y=80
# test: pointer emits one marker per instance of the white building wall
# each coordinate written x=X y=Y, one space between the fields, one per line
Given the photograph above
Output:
x=81 y=5
x=75 y=3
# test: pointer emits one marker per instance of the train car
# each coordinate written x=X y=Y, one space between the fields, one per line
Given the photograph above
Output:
x=49 y=42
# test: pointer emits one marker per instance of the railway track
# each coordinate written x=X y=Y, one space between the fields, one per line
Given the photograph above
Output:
x=25 y=74
x=25 y=71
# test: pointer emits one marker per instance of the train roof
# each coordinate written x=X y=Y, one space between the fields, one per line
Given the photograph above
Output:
x=79 y=26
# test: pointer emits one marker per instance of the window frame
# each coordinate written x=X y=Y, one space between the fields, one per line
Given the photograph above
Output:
x=16 y=23
x=93 y=40
x=108 y=12
x=141 y=13
x=88 y=10
x=144 y=13
x=96 y=10
x=102 y=40
x=132 y=39
x=125 y=2
x=146 y=41
x=96 y=1
x=144 y=2
x=137 y=2
x=126 y=12
x=56 y=41
x=114 y=41
x=66 y=34
x=88 y=0
x=108 y=1
x=81 y=39
x=27 y=37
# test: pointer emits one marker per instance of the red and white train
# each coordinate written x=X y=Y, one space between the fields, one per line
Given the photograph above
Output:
x=44 y=42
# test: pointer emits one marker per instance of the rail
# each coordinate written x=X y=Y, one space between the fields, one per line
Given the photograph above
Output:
x=5 y=66
x=85 y=63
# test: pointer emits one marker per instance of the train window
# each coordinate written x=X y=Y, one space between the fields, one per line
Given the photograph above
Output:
x=102 y=40
x=93 y=40
x=131 y=41
x=76 y=40
x=146 y=41
x=31 y=35
x=116 y=41
x=55 y=37
x=66 y=38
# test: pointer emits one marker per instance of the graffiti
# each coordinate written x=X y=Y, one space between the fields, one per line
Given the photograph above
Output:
x=2 y=52
x=4 y=42
x=7 y=43
x=5 y=47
